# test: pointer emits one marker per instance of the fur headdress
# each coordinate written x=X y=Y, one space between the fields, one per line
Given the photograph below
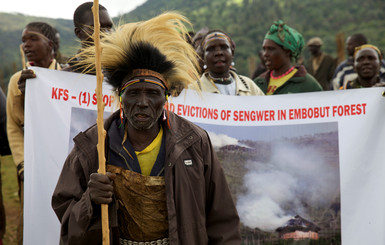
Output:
x=157 y=45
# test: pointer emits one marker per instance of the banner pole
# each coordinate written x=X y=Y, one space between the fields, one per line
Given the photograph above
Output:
x=100 y=123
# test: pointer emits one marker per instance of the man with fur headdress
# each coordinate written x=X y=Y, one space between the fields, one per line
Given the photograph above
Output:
x=164 y=184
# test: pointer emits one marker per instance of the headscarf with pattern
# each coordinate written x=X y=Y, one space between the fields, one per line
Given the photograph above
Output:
x=368 y=46
x=286 y=37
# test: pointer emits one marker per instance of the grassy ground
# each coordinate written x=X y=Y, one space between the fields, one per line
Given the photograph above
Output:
x=11 y=199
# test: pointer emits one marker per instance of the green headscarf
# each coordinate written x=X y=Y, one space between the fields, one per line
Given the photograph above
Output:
x=287 y=37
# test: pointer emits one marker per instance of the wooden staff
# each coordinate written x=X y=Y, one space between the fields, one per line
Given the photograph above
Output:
x=22 y=56
x=340 y=41
x=100 y=124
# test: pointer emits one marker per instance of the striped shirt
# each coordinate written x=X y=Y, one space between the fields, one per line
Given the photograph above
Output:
x=345 y=72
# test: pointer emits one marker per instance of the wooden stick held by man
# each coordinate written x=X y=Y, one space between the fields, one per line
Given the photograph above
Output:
x=163 y=177
x=100 y=105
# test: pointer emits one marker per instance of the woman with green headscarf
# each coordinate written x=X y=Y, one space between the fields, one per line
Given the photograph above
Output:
x=281 y=48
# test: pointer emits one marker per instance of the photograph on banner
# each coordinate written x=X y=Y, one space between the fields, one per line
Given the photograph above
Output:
x=299 y=166
x=82 y=119
x=285 y=180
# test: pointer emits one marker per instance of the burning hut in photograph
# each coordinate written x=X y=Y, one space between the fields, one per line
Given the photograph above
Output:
x=298 y=228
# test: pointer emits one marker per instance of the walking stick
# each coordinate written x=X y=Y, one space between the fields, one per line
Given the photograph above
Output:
x=100 y=124
x=22 y=56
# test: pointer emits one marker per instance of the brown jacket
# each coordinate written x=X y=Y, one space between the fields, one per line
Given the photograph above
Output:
x=325 y=71
x=199 y=203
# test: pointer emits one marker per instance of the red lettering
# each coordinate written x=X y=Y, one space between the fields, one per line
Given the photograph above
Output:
x=94 y=99
x=353 y=111
x=65 y=95
x=364 y=106
x=266 y=115
x=184 y=110
x=171 y=107
x=235 y=116
x=216 y=114
x=54 y=93
x=259 y=115
x=179 y=110
x=254 y=115
x=107 y=100
x=272 y=115
x=349 y=110
x=59 y=93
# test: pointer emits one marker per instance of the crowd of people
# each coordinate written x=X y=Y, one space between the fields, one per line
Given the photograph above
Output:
x=282 y=69
x=147 y=145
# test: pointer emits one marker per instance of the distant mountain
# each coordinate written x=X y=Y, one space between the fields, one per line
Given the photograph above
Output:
x=246 y=21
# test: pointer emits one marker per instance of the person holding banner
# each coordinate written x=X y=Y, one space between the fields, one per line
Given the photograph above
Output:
x=84 y=27
x=164 y=183
x=38 y=45
x=218 y=53
x=281 y=48
x=367 y=63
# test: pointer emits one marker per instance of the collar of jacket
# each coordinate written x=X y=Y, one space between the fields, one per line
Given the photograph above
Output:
x=116 y=155
x=263 y=80
x=301 y=73
x=86 y=142
x=181 y=136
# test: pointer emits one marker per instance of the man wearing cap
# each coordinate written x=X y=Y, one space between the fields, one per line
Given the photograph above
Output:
x=164 y=184
x=321 y=65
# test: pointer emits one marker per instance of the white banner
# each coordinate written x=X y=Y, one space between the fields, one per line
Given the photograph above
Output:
x=57 y=105
x=317 y=156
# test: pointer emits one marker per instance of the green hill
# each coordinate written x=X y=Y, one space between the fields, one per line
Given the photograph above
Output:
x=245 y=20
x=11 y=27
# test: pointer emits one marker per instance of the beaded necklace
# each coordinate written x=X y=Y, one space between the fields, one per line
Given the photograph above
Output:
x=284 y=74
x=221 y=80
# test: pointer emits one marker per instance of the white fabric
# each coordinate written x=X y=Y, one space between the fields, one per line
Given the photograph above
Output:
x=53 y=109
x=228 y=89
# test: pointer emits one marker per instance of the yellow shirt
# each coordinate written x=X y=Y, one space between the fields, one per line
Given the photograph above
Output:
x=276 y=83
x=147 y=156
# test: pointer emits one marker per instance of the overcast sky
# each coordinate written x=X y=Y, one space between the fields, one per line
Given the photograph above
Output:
x=65 y=8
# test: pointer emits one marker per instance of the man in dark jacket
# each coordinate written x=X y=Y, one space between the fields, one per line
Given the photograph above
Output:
x=164 y=184
x=321 y=65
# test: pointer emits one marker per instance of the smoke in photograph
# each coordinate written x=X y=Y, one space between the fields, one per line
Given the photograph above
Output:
x=294 y=178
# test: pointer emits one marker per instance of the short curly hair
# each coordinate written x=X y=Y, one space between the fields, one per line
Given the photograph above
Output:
x=80 y=11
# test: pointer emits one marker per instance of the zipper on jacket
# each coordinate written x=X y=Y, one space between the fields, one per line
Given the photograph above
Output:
x=125 y=160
